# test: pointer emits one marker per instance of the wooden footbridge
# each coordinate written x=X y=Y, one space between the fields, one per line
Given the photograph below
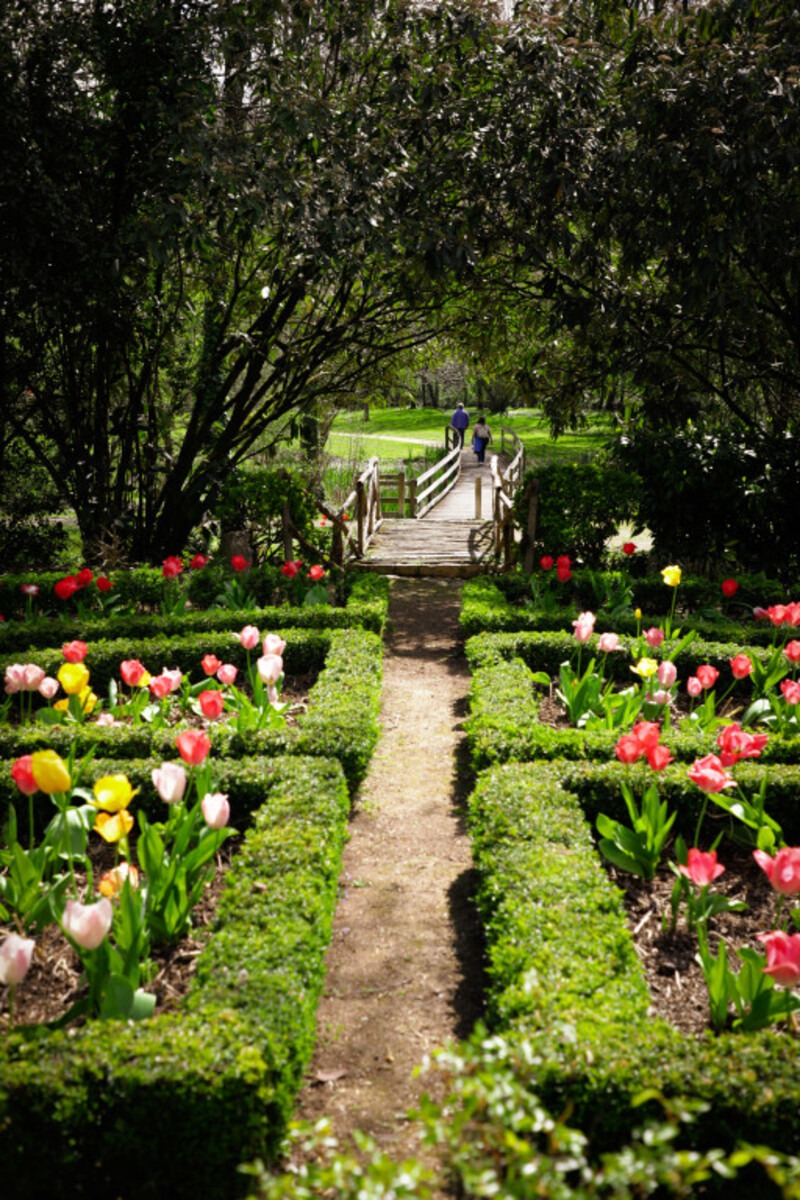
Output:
x=453 y=520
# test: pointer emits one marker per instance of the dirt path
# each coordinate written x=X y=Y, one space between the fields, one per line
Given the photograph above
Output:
x=405 y=965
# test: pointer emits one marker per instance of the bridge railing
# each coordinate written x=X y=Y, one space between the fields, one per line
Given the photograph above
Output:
x=437 y=481
x=358 y=518
x=505 y=481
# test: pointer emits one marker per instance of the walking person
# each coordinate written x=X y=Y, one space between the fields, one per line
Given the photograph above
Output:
x=481 y=436
x=459 y=421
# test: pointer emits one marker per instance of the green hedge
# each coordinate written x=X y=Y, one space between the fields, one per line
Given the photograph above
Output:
x=341 y=721
x=366 y=607
x=497 y=606
x=568 y=998
x=170 y=1107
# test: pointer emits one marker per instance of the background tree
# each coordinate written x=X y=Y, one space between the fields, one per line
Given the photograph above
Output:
x=215 y=214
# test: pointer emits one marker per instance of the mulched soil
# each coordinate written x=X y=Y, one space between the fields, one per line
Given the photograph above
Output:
x=677 y=987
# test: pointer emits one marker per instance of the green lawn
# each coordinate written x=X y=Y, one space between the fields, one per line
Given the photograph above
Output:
x=428 y=424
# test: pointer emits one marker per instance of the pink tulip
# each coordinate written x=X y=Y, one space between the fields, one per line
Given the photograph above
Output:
x=48 y=687
x=248 y=637
x=15 y=958
x=159 y=687
x=216 y=810
x=783 y=957
x=211 y=704
x=791 y=691
x=702 y=868
x=132 y=671
x=608 y=642
x=783 y=871
x=273 y=644
x=741 y=666
x=210 y=664
x=660 y=697
x=584 y=626
x=174 y=675
x=270 y=668
x=735 y=743
x=667 y=674
x=106 y=718
x=14 y=678
x=32 y=677
x=87 y=924
x=710 y=775
x=707 y=675
x=628 y=749
x=227 y=674
x=693 y=686
x=169 y=781
x=654 y=636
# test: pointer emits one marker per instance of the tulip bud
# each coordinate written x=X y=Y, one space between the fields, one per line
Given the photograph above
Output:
x=87 y=924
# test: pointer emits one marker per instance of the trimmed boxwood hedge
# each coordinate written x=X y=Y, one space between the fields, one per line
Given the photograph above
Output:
x=101 y=1110
x=487 y=607
x=568 y=997
x=341 y=721
x=366 y=607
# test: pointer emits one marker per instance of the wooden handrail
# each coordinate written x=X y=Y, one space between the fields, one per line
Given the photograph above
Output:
x=441 y=483
x=505 y=481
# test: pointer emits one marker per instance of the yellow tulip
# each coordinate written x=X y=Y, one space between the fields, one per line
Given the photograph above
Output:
x=113 y=826
x=88 y=699
x=638 y=614
x=646 y=667
x=73 y=678
x=50 y=772
x=112 y=793
x=671 y=576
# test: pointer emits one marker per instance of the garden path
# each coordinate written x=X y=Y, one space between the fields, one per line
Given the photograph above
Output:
x=404 y=971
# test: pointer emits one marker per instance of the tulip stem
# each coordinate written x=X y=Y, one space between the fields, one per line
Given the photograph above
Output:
x=700 y=819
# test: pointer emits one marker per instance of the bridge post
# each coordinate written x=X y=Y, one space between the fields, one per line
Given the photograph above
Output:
x=401 y=494
x=412 y=497
x=361 y=506
x=477 y=497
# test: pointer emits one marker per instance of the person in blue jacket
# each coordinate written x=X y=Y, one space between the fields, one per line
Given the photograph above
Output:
x=459 y=421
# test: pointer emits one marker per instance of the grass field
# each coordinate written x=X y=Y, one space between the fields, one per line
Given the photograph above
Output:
x=381 y=433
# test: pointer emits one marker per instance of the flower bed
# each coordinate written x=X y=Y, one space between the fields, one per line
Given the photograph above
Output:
x=230 y=1062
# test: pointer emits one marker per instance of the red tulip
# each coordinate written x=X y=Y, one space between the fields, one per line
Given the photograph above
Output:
x=547 y=562
x=783 y=957
x=729 y=587
x=563 y=574
x=160 y=687
x=22 y=775
x=628 y=547
x=658 y=757
x=316 y=573
x=84 y=577
x=210 y=664
x=791 y=691
x=211 y=704
x=702 y=868
x=104 y=584
x=66 y=587
x=75 y=651
x=290 y=569
x=193 y=746
x=563 y=560
x=628 y=749
x=239 y=562
x=198 y=562
x=172 y=566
